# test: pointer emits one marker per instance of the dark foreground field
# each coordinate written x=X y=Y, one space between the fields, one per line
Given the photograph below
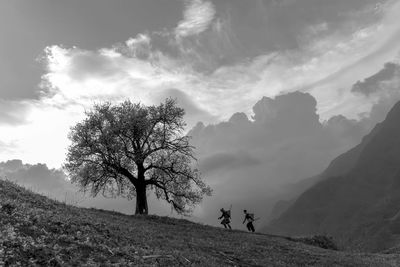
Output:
x=37 y=231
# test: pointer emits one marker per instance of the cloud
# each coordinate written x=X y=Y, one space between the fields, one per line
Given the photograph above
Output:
x=38 y=177
x=222 y=161
x=91 y=65
x=140 y=46
x=7 y=147
x=13 y=112
x=290 y=110
x=152 y=63
x=193 y=113
x=376 y=82
x=382 y=89
x=198 y=16
x=368 y=49
x=346 y=131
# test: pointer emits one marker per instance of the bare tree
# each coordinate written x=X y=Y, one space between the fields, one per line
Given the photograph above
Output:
x=127 y=149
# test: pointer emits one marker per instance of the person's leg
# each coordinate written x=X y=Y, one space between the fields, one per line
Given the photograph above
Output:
x=229 y=226
x=248 y=226
x=252 y=227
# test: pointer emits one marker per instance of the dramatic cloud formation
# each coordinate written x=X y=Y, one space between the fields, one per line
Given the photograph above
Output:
x=150 y=64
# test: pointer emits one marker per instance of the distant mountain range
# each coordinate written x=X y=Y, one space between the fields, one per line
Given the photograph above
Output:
x=357 y=198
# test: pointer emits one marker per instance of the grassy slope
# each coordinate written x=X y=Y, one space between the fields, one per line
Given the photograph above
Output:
x=35 y=230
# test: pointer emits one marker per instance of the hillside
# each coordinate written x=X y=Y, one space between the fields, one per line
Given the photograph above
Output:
x=358 y=206
x=37 y=231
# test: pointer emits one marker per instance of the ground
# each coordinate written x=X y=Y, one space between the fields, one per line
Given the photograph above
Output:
x=37 y=231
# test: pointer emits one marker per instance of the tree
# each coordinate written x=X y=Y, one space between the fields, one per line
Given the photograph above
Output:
x=127 y=149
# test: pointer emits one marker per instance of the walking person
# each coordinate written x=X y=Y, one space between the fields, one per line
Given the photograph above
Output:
x=249 y=217
x=226 y=215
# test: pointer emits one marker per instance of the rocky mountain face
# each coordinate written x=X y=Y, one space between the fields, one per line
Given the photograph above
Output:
x=357 y=199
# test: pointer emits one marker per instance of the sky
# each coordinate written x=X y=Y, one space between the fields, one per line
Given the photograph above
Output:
x=281 y=86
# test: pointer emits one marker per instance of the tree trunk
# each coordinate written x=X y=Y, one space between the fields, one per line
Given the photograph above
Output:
x=141 y=197
x=141 y=200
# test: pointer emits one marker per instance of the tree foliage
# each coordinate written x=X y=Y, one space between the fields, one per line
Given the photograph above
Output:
x=127 y=149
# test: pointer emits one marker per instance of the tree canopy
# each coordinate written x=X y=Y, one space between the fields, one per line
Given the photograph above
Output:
x=127 y=149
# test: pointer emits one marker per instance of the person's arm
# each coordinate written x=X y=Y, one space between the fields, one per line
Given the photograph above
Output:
x=220 y=216
x=244 y=220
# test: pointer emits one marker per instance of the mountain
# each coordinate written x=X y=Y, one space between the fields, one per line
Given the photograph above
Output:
x=357 y=200
x=37 y=231
x=339 y=166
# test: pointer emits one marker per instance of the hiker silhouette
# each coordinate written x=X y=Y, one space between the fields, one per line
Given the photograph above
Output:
x=226 y=215
x=249 y=217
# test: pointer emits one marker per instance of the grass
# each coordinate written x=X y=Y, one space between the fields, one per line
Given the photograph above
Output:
x=37 y=231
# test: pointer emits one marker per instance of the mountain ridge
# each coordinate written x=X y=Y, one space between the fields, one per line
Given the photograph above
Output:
x=354 y=205
x=338 y=166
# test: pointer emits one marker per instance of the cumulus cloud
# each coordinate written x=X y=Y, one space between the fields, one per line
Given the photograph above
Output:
x=291 y=110
x=198 y=16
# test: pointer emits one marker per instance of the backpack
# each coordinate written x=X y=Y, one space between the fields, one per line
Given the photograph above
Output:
x=251 y=217
x=228 y=212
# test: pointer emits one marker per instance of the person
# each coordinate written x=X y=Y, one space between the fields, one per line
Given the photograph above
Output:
x=249 y=217
x=226 y=214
